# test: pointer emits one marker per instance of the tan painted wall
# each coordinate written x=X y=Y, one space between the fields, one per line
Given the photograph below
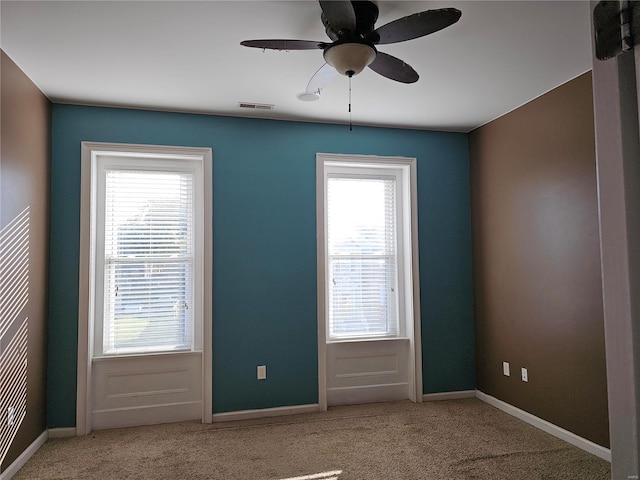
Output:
x=24 y=178
x=536 y=260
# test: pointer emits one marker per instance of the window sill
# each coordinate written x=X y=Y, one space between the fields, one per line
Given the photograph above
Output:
x=369 y=339
x=103 y=358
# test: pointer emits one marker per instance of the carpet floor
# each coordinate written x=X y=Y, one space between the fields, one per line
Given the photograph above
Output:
x=457 y=439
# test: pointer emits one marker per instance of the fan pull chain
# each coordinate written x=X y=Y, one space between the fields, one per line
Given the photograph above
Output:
x=350 y=123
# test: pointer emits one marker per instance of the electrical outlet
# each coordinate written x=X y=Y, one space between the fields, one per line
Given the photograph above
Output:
x=505 y=369
x=11 y=416
x=525 y=375
x=262 y=372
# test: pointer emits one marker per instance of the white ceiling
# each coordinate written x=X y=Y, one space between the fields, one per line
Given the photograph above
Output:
x=186 y=56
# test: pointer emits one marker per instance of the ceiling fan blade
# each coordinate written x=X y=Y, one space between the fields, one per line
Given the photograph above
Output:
x=284 y=44
x=321 y=78
x=394 y=68
x=339 y=14
x=415 y=26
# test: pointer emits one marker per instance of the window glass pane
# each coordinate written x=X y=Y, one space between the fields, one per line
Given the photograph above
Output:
x=362 y=297
x=148 y=307
x=148 y=214
x=148 y=261
x=361 y=214
x=362 y=269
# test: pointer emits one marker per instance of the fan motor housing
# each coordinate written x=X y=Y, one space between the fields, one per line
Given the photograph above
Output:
x=366 y=16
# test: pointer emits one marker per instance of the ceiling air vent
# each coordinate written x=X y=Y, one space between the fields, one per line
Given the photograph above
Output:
x=255 y=106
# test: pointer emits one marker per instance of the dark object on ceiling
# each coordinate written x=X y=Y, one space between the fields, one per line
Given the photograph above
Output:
x=351 y=27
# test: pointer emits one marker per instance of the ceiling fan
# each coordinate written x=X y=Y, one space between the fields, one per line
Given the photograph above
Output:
x=350 y=25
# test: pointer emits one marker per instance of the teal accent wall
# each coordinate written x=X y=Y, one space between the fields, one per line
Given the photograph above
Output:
x=264 y=247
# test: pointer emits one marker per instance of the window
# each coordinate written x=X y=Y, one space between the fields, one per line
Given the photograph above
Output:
x=148 y=268
x=365 y=243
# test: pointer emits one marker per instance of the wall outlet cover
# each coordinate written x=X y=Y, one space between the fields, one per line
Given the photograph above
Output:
x=505 y=369
x=525 y=375
x=262 y=372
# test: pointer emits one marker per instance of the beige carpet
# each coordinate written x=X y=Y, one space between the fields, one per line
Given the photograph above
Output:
x=462 y=439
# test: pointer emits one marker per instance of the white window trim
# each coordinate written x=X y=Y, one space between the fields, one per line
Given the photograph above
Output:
x=90 y=151
x=410 y=268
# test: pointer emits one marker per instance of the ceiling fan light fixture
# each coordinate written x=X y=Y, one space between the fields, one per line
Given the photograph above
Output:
x=349 y=58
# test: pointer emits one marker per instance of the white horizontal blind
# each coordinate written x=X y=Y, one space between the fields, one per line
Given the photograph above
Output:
x=362 y=255
x=148 y=264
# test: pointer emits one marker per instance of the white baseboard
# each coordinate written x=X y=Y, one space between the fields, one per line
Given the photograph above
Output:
x=265 y=412
x=434 y=397
x=62 y=432
x=548 y=427
x=19 y=462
